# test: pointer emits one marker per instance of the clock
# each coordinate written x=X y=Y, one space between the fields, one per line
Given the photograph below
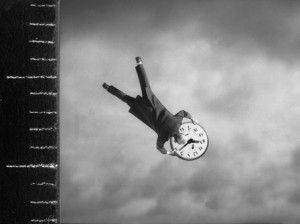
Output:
x=196 y=145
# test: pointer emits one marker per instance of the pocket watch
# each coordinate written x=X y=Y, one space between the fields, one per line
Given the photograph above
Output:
x=196 y=145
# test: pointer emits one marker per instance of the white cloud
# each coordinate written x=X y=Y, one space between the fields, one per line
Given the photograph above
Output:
x=246 y=100
x=137 y=207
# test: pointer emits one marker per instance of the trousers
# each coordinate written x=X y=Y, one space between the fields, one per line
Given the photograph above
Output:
x=144 y=83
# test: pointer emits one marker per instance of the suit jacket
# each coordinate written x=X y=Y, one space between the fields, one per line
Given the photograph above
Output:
x=153 y=113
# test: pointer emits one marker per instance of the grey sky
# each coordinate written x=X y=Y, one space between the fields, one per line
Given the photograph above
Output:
x=231 y=64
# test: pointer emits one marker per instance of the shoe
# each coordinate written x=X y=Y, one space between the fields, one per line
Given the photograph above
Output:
x=105 y=86
x=139 y=60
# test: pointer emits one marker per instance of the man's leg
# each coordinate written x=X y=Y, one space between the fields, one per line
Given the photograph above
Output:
x=118 y=93
x=142 y=77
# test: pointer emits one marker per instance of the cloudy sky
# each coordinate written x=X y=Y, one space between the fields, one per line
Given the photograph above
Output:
x=234 y=65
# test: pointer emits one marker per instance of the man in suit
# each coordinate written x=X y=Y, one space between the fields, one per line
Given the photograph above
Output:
x=152 y=112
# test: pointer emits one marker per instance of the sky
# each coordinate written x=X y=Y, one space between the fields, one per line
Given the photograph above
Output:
x=232 y=64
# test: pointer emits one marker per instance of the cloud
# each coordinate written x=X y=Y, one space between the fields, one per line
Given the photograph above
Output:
x=228 y=63
x=243 y=27
x=295 y=164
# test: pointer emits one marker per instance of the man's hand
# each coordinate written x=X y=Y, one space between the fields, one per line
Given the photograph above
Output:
x=166 y=152
x=172 y=153
x=162 y=150
x=195 y=121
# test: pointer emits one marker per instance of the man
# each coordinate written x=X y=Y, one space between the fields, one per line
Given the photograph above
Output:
x=151 y=111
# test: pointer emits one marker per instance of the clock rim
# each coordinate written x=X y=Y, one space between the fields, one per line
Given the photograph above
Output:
x=171 y=144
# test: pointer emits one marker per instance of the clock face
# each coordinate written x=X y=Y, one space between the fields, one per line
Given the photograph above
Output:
x=197 y=142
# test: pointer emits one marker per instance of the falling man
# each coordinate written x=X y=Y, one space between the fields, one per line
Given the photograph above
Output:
x=152 y=112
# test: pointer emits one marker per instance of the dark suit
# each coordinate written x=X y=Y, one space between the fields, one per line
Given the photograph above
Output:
x=153 y=113
x=150 y=110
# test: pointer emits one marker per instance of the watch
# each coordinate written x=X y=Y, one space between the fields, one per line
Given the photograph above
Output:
x=196 y=145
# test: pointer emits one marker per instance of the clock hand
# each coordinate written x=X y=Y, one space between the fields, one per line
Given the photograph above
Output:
x=182 y=147
x=188 y=142
x=195 y=141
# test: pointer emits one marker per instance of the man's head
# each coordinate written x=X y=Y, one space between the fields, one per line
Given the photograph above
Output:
x=179 y=138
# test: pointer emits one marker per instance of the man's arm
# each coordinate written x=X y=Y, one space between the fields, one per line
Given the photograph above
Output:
x=183 y=113
x=160 y=146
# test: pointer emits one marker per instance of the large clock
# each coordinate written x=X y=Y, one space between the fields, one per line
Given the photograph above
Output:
x=196 y=145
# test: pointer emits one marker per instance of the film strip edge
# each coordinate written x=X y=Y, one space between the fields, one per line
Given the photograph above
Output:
x=41 y=201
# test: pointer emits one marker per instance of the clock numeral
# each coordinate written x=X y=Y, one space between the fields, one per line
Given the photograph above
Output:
x=202 y=141
x=201 y=134
x=189 y=155
x=181 y=129
x=200 y=148
x=195 y=153
x=195 y=129
x=189 y=128
x=181 y=153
